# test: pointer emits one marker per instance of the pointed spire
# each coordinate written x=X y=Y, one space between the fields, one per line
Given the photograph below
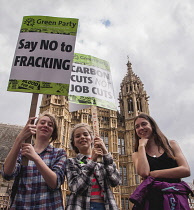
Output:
x=129 y=65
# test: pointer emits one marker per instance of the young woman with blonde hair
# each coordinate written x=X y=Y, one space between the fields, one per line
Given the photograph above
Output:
x=88 y=180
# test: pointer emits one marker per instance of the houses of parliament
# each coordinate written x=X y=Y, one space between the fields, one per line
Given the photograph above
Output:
x=115 y=128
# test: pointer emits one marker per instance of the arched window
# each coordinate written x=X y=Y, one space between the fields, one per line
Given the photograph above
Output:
x=121 y=145
x=137 y=177
x=131 y=88
x=127 y=89
x=123 y=173
x=139 y=106
x=125 y=203
x=104 y=136
x=130 y=105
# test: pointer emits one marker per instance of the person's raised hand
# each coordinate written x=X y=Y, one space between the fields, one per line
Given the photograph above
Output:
x=28 y=151
x=143 y=142
x=96 y=152
x=28 y=130
x=99 y=143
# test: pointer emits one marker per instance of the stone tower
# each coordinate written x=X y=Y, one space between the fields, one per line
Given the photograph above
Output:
x=116 y=129
x=132 y=101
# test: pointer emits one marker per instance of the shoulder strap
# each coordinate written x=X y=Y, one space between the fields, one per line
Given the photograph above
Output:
x=15 y=185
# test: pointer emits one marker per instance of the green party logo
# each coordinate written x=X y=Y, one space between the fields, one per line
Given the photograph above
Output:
x=29 y=22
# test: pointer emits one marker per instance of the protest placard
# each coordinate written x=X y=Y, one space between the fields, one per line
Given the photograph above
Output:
x=43 y=58
x=91 y=82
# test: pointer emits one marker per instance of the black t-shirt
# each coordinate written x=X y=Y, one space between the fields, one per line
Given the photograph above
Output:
x=162 y=162
x=158 y=163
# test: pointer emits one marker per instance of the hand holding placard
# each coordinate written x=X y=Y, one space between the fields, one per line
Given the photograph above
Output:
x=32 y=114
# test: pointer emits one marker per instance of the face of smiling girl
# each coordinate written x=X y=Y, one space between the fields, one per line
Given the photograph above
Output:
x=44 y=127
x=143 y=128
x=82 y=139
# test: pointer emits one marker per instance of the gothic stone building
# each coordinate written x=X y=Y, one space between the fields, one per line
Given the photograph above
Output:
x=116 y=129
x=8 y=133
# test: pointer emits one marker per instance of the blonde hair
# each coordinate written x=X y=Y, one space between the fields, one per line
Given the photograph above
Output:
x=79 y=125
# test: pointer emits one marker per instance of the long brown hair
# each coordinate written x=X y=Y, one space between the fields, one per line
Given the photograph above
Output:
x=159 y=138
x=85 y=125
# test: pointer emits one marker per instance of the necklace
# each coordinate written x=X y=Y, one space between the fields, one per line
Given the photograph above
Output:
x=154 y=156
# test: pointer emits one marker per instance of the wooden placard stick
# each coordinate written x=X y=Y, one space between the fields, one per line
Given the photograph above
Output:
x=31 y=114
x=95 y=126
